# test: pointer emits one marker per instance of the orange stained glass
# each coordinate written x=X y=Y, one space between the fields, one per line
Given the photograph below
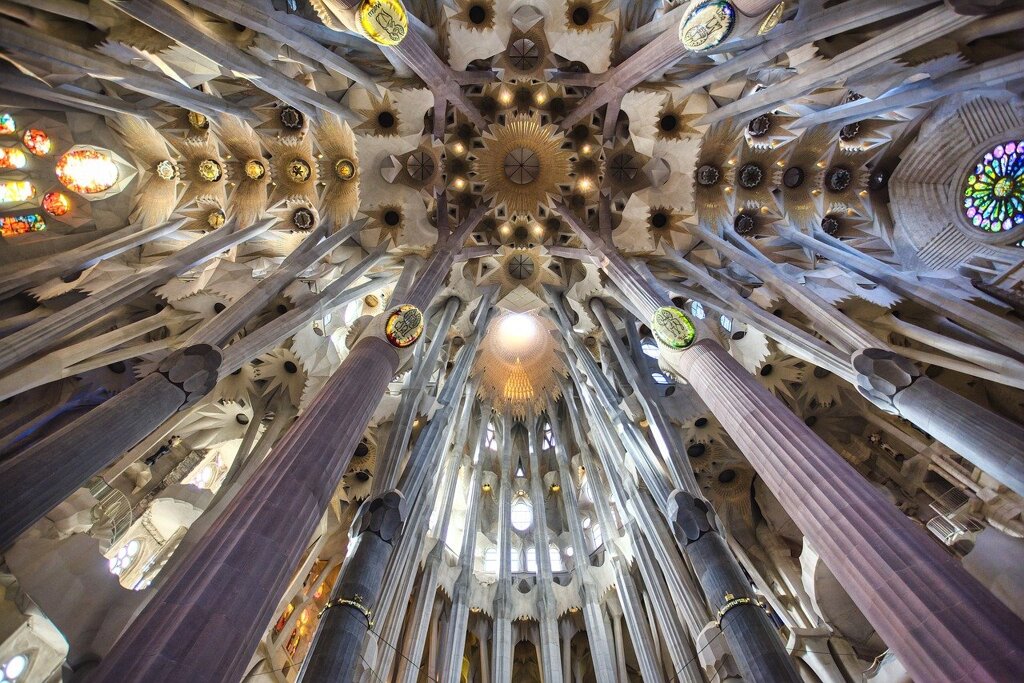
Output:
x=56 y=203
x=37 y=142
x=19 y=225
x=12 y=157
x=87 y=171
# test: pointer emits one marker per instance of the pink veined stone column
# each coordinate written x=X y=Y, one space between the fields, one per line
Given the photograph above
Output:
x=206 y=621
x=943 y=624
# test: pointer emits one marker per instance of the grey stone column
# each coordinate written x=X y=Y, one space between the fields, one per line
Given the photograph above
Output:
x=752 y=639
x=36 y=480
x=209 y=615
x=989 y=441
x=942 y=623
x=351 y=610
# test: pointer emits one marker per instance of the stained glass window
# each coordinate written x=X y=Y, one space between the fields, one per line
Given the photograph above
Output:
x=994 y=193
x=14 y=191
x=19 y=225
x=87 y=171
x=37 y=142
x=7 y=125
x=12 y=157
x=56 y=203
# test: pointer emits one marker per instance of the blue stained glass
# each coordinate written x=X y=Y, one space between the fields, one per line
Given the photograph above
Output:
x=994 y=193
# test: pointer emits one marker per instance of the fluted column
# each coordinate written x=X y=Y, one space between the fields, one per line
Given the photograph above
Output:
x=257 y=542
x=990 y=441
x=755 y=645
x=460 y=592
x=351 y=610
x=36 y=480
x=209 y=615
x=897 y=575
x=940 y=621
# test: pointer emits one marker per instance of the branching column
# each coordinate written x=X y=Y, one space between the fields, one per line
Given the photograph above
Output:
x=206 y=620
x=600 y=644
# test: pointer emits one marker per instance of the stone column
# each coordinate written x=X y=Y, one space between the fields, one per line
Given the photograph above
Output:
x=350 y=612
x=752 y=639
x=550 y=664
x=460 y=592
x=940 y=621
x=989 y=441
x=898 y=576
x=600 y=643
x=209 y=615
x=36 y=480
x=502 y=597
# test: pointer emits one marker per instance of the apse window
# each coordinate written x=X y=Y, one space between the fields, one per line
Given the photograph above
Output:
x=697 y=308
x=726 y=323
x=549 y=440
x=491 y=440
x=555 y=558
x=531 y=560
x=522 y=515
x=491 y=560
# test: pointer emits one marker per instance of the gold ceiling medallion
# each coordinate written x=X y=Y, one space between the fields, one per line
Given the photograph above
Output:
x=210 y=170
x=255 y=169
x=522 y=163
x=772 y=20
x=298 y=171
x=167 y=170
x=345 y=169
x=404 y=326
x=707 y=25
x=673 y=328
x=383 y=21
x=198 y=121
x=216 y=219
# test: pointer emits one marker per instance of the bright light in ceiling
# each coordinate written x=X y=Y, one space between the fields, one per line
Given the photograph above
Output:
x=518 y=331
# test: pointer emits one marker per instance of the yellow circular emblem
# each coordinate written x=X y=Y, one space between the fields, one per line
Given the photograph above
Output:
x=707 y=25
x=673 y=328
x=383 y=21
x=772 y=20
x=345 y=169
x=404 y=326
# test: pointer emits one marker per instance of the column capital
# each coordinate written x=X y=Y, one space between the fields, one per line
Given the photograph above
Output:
x=193 y=370
x=881 y=374
x=383 y=516
x=690 y=517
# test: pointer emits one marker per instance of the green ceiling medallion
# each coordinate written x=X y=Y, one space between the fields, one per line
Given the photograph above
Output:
x=673 y=328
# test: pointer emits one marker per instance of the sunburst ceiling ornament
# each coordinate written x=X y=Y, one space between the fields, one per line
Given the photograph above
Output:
x=522 y=164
